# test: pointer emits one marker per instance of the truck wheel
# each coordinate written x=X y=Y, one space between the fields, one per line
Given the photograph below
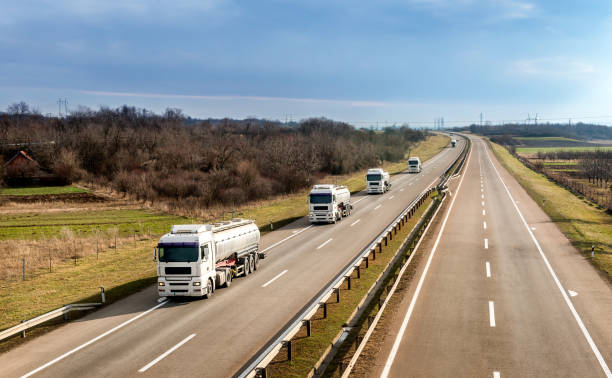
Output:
x=251 y=264
x=228 y=278
x=256 y=260
x=209 y=289
x=246 y=266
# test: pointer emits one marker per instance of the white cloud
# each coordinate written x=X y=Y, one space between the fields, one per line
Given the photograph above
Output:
x=353 y=103
x=554 y=67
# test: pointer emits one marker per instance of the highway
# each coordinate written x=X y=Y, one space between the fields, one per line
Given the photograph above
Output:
x=139 y=336
x=499 y=292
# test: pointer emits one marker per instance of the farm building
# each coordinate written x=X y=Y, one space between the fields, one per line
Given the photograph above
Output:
x=23 y=170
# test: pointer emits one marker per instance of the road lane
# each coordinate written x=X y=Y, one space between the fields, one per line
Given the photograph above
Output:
x=527 y=328
x=239 y=320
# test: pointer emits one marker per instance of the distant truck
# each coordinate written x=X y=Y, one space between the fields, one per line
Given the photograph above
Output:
x=453 y=143
x=194 y=259
x=377 y=181
x=329 y=203
x=414 y=165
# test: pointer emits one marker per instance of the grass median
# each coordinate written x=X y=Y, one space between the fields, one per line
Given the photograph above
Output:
x=580 y=220
x=41 y=190
x=308 y=350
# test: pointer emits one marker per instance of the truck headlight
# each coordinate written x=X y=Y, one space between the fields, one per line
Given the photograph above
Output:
x=197 y=283
x=161 y=284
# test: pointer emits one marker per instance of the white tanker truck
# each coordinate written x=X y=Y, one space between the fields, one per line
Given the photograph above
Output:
x=329 y=203
x=195 y=259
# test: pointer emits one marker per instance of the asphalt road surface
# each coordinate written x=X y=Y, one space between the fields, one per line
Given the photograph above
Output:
x=501 y=292
x=139 y=336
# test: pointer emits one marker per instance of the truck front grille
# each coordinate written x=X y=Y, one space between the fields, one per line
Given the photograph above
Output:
x=320 y=207
x=178 y=270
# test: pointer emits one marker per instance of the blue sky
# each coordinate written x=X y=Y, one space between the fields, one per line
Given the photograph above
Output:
x=359 y=61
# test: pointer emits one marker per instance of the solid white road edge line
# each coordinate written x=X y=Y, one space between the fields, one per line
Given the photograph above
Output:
x=371 y=328
x=323 y=245
x=400 y=335
x=355 y=222
x=491 y=314
x=284 y=240
x=165 y=354
x=275 y=278
x=488 y=266
x=581 y=325
x=92 y=340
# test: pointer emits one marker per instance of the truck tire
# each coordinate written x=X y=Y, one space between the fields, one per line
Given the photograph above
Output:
x=209 y=289
x=246 y=265
x=228 y=278
x=251 y=264
x=256 y=260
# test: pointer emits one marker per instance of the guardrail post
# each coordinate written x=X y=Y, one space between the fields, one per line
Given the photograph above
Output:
x=367 y=261
x=271 y=225
x=337 y=295
x=374 y=254
x=23 y=332
x=391 y=234
x=288 y=345
x=261 y=372
x=348 y=282
x=359 y=271
x=308 y=328
x=324 y=305
x=102 y=295
x=23 y=266
x=385 y=243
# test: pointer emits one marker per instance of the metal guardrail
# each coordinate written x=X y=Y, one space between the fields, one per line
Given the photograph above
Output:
x=27 y=324
x=256 y=366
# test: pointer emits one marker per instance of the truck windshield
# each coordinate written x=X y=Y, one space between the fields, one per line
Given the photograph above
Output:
x=178 y=254
x=320 y=198
x=375 y=177
x=413 y=162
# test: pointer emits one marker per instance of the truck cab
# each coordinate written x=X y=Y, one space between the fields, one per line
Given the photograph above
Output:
x=414 y=165
x=377 y=181
x=453 y=143
x=185 y=261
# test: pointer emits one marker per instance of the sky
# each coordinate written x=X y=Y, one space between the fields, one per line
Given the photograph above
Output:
x=365 y=62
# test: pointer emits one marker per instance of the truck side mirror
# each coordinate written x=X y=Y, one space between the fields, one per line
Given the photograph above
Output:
x=155 y=254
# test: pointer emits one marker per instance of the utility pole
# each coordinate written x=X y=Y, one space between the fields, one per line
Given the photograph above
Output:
x=480 y=119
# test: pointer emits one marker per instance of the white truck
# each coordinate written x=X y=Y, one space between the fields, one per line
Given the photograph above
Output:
x=377 y=181
x=329 y=203
x=195 y=259
x=414 y=165
x=453 y=142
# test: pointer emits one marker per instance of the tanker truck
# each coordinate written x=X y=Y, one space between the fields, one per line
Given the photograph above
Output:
x=329 y=203
x=195 y=259
x=377 y=181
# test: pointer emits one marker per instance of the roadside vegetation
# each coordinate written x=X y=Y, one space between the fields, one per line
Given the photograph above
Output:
x=41 y=190
x=581 y=220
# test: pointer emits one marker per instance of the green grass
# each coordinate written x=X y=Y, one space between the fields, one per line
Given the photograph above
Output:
x=40 y=225
x=582 y=222
x=123 y=272
x=535 y=150
x=41 y=190
x=560 y=162
x=560 y=139
x=308 y=350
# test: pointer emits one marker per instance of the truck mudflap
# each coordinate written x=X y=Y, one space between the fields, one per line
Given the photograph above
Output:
x=262 y=255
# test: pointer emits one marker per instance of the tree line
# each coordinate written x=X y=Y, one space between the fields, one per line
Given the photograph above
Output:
x=195 y=163
x=596 y=165
x=578 y=130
